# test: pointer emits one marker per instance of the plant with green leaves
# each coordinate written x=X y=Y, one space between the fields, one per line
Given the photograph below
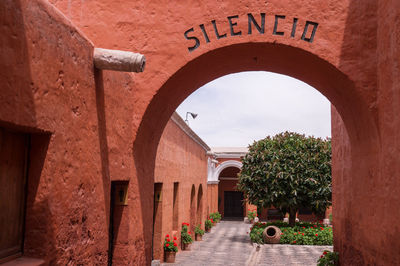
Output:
x=208 y=224
x=198 y=230
x=302 y=234
x=328 y=258
x=288 y=171
x=251 y=215
x=215 y=216
x=170 y=245
x=185 y=235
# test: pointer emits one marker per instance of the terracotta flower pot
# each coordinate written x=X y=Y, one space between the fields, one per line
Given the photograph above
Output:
x=198 y=237
x=272 y=235
x=170 y=256
x=186 y=246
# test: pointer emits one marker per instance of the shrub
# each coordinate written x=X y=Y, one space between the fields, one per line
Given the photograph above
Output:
x=288 y=171
x=170 y=245
x=185 y=236
x=198 y=230
x=328 y=258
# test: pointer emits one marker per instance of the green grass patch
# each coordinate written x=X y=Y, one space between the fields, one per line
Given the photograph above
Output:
x=302 y=234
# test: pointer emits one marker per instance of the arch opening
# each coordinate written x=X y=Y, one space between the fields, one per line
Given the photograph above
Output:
x=295 y=62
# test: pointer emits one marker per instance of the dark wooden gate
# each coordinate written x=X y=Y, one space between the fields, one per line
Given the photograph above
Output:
x=13 y=172
x=233 y=204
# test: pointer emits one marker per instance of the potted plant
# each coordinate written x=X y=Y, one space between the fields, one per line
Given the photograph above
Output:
x=170 y=249
x=215 y=216
x=328 y=258
x=213 y=223
x=208 y=225
x=186 y=237
x=251 y=215
x=198 y=233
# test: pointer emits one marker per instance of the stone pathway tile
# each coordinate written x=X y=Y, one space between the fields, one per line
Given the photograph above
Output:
x=229 y=244
x=284 y=255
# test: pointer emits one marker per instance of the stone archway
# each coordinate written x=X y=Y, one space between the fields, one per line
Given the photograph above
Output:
x=223 y=166
x=283 y=59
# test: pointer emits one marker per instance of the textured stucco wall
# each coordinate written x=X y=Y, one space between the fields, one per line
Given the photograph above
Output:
x=107 y=127
x=81 y=136
x=180 y=159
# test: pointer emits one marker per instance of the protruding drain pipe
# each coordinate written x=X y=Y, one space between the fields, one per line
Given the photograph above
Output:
x=118 y=60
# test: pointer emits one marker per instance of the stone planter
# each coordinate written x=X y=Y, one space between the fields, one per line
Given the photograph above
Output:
x=186 y=246
x=170 y=256
x=198 y=237
x=272 y=235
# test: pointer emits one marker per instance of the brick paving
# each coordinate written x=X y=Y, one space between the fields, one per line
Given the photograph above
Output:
x=229 y=244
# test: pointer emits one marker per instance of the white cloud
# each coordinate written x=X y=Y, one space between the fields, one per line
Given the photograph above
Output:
x=237 y=109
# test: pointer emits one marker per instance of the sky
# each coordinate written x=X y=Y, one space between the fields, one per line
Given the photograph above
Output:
x=237 y=109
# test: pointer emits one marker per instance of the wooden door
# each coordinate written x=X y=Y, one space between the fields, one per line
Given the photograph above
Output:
x=13 y=172
x=233 y=204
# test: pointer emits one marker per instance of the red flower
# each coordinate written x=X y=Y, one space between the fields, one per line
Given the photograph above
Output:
x=325 y=253
x=322 y=229
x=294 y=242
x=168 y=240
x=304 y=227
x=281 y=233
x=167 y=245
x=316 y=234
x=175 y=244
x=294 y=233
x=174 y=237
x=167 y=236
x=190 y=233
x=303 y=234
x=322 y=256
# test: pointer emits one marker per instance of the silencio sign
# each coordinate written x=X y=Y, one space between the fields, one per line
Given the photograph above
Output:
x=307 y=35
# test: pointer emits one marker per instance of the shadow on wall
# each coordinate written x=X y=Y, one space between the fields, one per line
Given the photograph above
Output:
x=102 y=129
x=39 y=231
x=358 y=56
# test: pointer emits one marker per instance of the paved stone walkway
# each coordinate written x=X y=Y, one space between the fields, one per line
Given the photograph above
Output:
x=229 y=244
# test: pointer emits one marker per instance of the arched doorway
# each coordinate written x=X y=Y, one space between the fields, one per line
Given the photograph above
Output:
x=230 y=200
x=199 y=212
x=279 y=58
x=192 y=209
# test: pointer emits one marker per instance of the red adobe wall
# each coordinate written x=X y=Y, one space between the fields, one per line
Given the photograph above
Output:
x=179 y=159
x=212 y=194
x=81 y=123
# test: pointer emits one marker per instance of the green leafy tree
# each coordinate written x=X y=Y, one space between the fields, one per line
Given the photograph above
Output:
x=288 y=171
